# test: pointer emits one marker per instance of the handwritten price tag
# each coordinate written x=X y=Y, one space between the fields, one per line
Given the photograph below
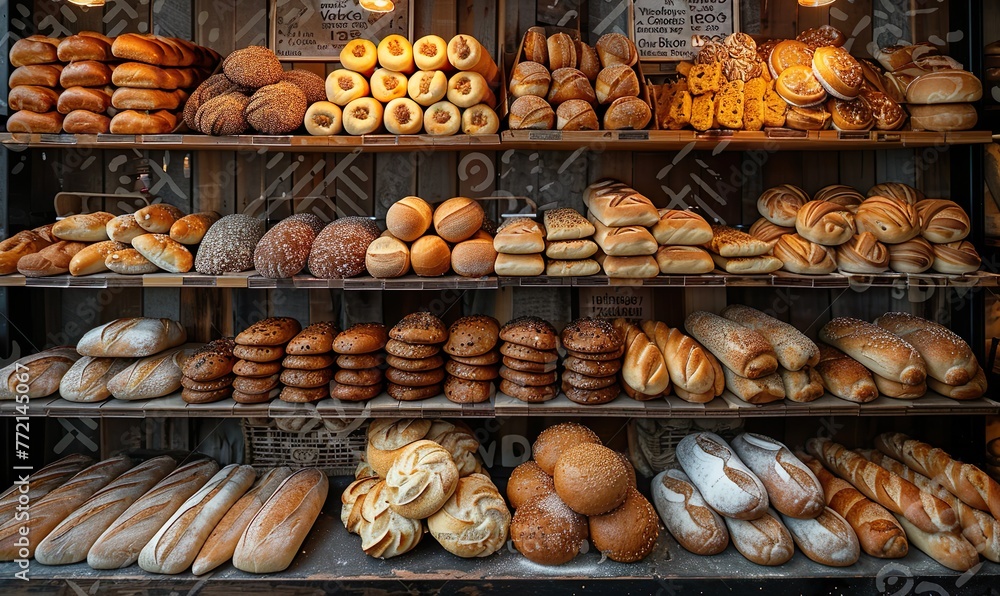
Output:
x=319 y=29
x=668 y=30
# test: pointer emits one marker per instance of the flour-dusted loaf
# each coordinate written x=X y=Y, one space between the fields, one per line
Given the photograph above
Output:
x=792 y=488
x=614 y=203
x=686 y=515
x=284 y=250
x=87 y=380
x=42 y=482
x=152 y=376
x=725 y=482
x=827 y=539
x=763 y=540
x=133 y=337
x=229 y=244
x=37 y=375
x=474 y=521
x=339 y=251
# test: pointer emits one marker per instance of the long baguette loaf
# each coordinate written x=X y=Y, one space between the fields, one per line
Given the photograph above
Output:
x=275 y=534
x=177 y=543
x=38 y=484
x=132 y=338
x=221 y=543
x=793 y=348
x=827 y=539
x=978 y=527
x=967 y=482
x=51 y=509
x=948 y=548
x=688 y=363
x=879 y=534
x=643 y=368
x=743 y=350
x=948 y=357
x=879 y=350
x=70 y=541
x=120 y=544
x=792 y=489
x=686 y=515
x=725 y=482
x=765 y=540
x=925 y=511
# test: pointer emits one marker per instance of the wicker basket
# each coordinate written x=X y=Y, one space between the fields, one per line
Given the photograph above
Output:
x=653 y=442
x=335 y=452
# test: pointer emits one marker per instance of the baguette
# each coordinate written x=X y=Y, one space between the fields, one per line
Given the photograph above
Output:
x=967 y=482
x=177 y=543
x=763 y=390
x=879 y=350
x=948 y=357
x=689 y=364
x=38 y=484
x=948 y=548
x=153 y=376
x=133 y=337
x=643 y=368
x=879 y=534
x=120 y=544
x=221 y=543
x=764 y=540
x=38 y=375
x=792 y=489
x=925 y=511
x=793 y=349
x=87 y=380
x=845 y=377
x=743 y=350
x=70 y=541
x=980 y=528
x=686 y=515
x=47 y=512
x=275 y=534
x=827 y=539
x=725 y=482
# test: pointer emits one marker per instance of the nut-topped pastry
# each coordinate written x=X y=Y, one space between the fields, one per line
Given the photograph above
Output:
x=838 y=72
x=822 y=36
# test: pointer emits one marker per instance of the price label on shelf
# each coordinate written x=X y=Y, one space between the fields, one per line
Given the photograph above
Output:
x=319 y=29
x=627 y=302
x=667 y=30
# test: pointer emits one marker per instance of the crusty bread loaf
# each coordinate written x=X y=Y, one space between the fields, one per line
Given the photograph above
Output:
x=177 y=543
x=70 y=541
x=725 y=482
x=120 y=544
x=686 y=515
x=792 y=488
x=793 y=349
x=615 y=204
x=948 y=357
x=133 y=337
x=763 y=540
x=948 y=548
x=844 y=376
x=879 y=350
x=827 y=539
x=23 y=243
x=87 y=380
x=689 y=364
x=37 y=375
x=741 y=349
x=41 y=482
x=284 y=250
x=152 y=376
x=643 y=368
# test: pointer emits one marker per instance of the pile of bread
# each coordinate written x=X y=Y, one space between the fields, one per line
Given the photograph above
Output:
x=432 y=86
x=559 y=82
x=895 y=227
x=158 y=237
x=832 y=504
x=575 y=488
x=168 y=517
x=419 y=469
x=937 y=91
x=89 y=83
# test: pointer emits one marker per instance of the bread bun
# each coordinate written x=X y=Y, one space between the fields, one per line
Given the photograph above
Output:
x=768 y=232
x=627 y=113
x=570 y=83
x=787 y=54
x=284 y=250
x=474 y=522
x=359 y=55
x=387 y=85
x=799 y=255
x=841 y=194
x=534 y=47
x=396 y=53
x=863 y=254
x=824 y=222
x=228 y=246
x=344 y=86
x=617 y=80
x=591 y=479
x=526 y=482
x=628 y=533
x=838 y=72
x=556 y=440
x=780 y=204
x=890 y=220
x=442 y=119
x=576 y=114
x=430 y=256
x=561 y=51
x=587 y=60
x=468 y=88
x=548 y=532
x=85 y=122
x=944 y=87
x=466 y=53
x=427 y=87
x=277 y=109
x=422 y=477
x=943 y=117
x=408 y=218
x=956 y=258
x=474 y=257
x=253 y=67
x=942 y=221
x=338 y=252
x=807 y=118
x=430 y=52
x=616 y=48
x=458 y=219
x=47 y=123
x=480 y=119
x=885 y=110
x=531 y=112
x=362 y=116
x=913 y=256
x=850 y=114
x=403 y=117
x=824 y=35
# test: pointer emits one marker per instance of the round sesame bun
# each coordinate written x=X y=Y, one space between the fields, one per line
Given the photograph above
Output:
x=548 y=532
x=555 y=440
x=253 y=67
x=528 y=481
x=628 y=533
x=591 y=479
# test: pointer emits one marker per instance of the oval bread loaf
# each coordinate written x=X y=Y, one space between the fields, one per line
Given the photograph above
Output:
x=725 y=482
x=791 y=486
x=686 y=515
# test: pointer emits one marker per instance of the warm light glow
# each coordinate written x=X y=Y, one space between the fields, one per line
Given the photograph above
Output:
x=87 y=2
x=815 y=3
x=377 y=5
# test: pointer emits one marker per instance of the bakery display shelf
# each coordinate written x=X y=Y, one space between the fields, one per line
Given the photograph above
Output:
x=330 y=554
x=407 y=282
x=602 y=140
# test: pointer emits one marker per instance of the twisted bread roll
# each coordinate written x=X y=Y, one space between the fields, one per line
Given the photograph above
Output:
x=898 y=191
x=780 y=204
x=863 y=254
x=956 y=258
x=474 y=521
x=825 y=222
x=799 y=255
x=913 y=256
x=462 y=445
x=841 y=194
x=422 y=477
x=942 y=221
x=770 y=233
x=352 y=500
x=890 y=220
x=385 y=533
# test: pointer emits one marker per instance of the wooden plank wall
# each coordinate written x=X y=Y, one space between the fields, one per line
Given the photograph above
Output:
x=722 y=187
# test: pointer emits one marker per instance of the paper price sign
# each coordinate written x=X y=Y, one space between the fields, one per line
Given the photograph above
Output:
x=676 y=29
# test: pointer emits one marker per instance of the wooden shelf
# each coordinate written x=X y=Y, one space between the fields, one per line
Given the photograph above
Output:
x=606 y=140
x=501 y=405
x=716 y=279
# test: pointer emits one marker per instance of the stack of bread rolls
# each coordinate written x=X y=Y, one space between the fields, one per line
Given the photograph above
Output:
x=576 y=488
x=561 y=83
x=34 y=86
x=472 y=359
x=530 y=357
x=595 y=348
x=260 y=349
x=307 y=368
x=208 y=373
x=519 y=242
x=680 y=235
x=735 y=251
x=418 y=370
x=86 y=79
x=621 y=217
x=431 y=86
x=360 y=355
x=569 y=244
x=419 y=469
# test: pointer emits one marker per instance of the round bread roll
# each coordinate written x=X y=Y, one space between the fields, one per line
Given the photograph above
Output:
x=799 y=86
x=472 y=336
x=408 y=218
x=458 y=219
x=467 y=88
x=942 y=221
x=531 y=112
x=228 y=246
x=780 y=204
x=396 y=53
x=890 y=220
x=824 y=222
x=284 y=250
x=576 y=114
x=362 y=116
x=913 y=256
x=474 y=521
x=313 y=85
x=956 y=258
x=442 y=119
x=788 y=53
x=480 y=119
x=430 y=256
x=385 y=533
x=556 y=440
x=395 y=433
x=764 y=230
x=838 y=72
x=403 y=117
x=474 y=258
x=344 y=86
x=799 y=255
x=253 y=67
x=627 y=113
x=458 y=439
x=387 y=85
x=387 y=257
x=863 y=254
x=421 y=328
x=324 y=118
x=591 y=479
x=421 y=479
x=359 y=55
x=427 y=87
x=530 y=78
x=898 y=191
x=943 y=117
x=277 y=109
x=548 y=532
x=628 y=533
x=528 y=481
x=339 y=251
x=430 y=53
